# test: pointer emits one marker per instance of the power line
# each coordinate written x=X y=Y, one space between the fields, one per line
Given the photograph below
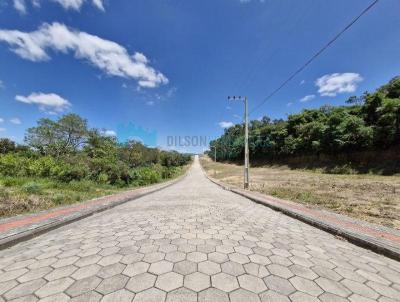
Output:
x=315 y=56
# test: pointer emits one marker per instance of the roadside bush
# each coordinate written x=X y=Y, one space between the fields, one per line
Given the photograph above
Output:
x=32 y=188
x=145 y=176
x=13 y=165
x=42 y=167
x=68 y=172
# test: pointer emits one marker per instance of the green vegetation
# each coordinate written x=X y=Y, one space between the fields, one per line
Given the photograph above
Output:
x=363 y=136
x=65 y=161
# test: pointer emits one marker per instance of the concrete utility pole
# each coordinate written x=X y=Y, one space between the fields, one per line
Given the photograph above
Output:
x=246 y=138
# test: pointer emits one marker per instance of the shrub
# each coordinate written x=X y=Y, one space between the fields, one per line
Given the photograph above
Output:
x=32 y=188
x=42 y=167
x=69 y=172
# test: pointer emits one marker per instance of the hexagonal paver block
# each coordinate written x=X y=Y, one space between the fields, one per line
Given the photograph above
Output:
x=150 y=295
x=218 y=257
x=209 y=267
x=61 y=272
x=87 y=260
x=54 y=287
x=196 y=257
x=82 y=286
x=182 y=295
x=232 y=268
x=224 y=282
x=185 y=267
x=213 y=295
x=270 y=295
x=86 y=271
x=136 y=269
x=169 y=281
x=197 y=281
x=141 y=282
x=153 y=257
x=35 y=274
x=24 y=289
x=306 y=286
x=121 y=295
x=91 y=296
x=239 y=258
x=111 y=270
x=301 y=297
x=161 y=267
x=280 y=271
x=112 y=284
x=256 y=270
x=111 y=259
x=333 y=287
x=241 y=295
x=252 y=283
x=175 y=256
x=279 y=285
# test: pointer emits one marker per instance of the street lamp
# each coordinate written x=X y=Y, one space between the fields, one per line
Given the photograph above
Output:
x=246 y=138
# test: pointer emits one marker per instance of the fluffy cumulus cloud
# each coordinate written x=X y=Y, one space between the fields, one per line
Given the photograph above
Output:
x=335 y=83
x=106 y=55
x=307 y=98
x=15 y=121
x=225 y=124
x=49 y=102
x=22 y=5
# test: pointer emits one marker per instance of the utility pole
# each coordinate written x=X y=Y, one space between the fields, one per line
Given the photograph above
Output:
x=246 y=138
x=215 y=159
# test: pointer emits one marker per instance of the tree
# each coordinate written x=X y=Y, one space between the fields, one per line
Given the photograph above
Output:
x=7 y=145
x=55 y=138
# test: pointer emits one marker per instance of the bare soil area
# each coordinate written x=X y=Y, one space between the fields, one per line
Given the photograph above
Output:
x=372 y=198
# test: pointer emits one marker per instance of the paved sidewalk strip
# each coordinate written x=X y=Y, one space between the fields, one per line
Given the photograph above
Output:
x=21 y=227
x=378 y=238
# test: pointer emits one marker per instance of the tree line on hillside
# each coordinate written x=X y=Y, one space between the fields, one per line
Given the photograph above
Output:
x=68 y=150
x=370 y=122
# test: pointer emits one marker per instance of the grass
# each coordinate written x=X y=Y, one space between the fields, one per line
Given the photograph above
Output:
x=20 y=195
x=373 y=198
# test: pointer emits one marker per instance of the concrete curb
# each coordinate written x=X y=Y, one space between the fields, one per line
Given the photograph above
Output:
x=26 y=232
x=377 y=243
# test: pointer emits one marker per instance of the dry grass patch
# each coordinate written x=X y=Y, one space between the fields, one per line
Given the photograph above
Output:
x=372 y=198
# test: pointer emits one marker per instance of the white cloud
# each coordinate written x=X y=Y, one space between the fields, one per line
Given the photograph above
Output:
x=109 y=133
x=225 y=124
x=289 y=104
x=15 y=121
x=110 y=57
x=150 y=103
x=2 y=129
x=307 y=98
x=335 y=83
x=1 y=84
x=20 y=6
x=48 y=102
x=302 y=82
x=1 y=120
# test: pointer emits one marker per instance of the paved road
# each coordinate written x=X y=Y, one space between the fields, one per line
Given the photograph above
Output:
x=194 y=242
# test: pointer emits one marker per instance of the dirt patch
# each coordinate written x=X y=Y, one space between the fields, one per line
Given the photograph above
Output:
x=372 y=198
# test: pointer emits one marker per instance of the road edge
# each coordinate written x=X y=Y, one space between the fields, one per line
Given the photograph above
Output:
x=22 y=236
x=355 y=238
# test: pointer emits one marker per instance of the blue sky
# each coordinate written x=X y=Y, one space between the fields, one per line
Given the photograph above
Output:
x=167 y=66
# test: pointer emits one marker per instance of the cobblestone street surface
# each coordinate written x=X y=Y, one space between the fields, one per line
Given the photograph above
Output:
x=194 y=241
